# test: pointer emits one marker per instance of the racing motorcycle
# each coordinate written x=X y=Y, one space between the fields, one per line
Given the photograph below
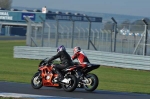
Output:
x=88 y=81
x=46 y=76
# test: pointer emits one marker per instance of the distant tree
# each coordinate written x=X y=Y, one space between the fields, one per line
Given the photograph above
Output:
x=124 y=24
x=6 y=4
x=108 y=25
x=138 y=25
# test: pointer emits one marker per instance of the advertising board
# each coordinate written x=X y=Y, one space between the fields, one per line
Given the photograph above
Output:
x=30 y=15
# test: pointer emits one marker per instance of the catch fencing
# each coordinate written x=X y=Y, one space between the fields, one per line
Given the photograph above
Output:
x=106 y=36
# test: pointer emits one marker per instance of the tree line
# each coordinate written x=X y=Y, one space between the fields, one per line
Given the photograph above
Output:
x=137 y=25
x=5 y=4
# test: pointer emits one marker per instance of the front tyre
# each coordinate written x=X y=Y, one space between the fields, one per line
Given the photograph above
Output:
x=71 y=85
x=91 y=82
x=36 y=81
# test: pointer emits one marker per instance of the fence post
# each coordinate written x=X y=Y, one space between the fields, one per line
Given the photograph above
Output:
x=57 y=31
x=43 y=25
x=115 y=36
x=49 y=35
x=89 y=33
x=145 y=37
x=67 y=31
x=98 y=36
x=79 y=35
x=93 y=36
x=0 y=28
x=28 y=34
x=62 y=31
x=83 y=33
x=72 y=33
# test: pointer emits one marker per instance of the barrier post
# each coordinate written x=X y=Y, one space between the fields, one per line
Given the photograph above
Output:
x=28 y=33
x=57 y=32
x=115 y=35
x=42 y=36
x=145 y=37
x=72 y=33
x=89 y=33
x=0 y=28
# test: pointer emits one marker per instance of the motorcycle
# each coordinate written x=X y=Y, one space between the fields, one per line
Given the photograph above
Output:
x=86 y=80
x=46 y=76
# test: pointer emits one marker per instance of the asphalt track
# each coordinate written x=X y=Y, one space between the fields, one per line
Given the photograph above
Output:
x=12 y=87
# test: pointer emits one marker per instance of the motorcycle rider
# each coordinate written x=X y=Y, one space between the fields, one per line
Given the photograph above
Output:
x=65 y=62
x=80 y=56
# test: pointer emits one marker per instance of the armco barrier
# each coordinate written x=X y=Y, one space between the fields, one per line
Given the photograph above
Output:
x=97 y=57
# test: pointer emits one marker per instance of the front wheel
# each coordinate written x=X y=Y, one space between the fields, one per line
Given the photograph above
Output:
x=71 y=85
x=36 y=81
x=91 y=82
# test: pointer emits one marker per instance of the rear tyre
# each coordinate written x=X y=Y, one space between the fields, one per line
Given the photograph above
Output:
x=36 y=81
x=91 y=82
x=72 y=85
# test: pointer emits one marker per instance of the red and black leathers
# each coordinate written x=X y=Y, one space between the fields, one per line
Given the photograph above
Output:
x=82 y=58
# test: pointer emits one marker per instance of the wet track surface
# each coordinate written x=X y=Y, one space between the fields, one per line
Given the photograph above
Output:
x=12 y=87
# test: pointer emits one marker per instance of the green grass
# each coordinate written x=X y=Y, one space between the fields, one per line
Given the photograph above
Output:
x=16 y=70
x=113 y=79
x=127 y=80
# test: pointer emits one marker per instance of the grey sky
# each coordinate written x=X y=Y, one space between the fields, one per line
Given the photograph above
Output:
x=127 y=7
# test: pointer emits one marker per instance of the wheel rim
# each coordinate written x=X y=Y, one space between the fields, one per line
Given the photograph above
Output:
x=89 y=82
x=70 y=84
x=36 y=81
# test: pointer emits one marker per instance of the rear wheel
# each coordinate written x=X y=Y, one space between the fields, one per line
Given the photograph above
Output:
x=91 y=82
x=36 y=81
x=71 y=85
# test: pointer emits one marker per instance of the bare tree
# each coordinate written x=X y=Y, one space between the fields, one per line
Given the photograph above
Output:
x=6 y=4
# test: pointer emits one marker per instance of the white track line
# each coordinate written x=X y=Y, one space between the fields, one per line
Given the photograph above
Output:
x=17 y=95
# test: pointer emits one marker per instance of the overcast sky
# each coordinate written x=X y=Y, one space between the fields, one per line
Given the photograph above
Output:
x=127 y=7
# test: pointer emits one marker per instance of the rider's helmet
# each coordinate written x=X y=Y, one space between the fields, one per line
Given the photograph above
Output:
x=61 y=48
x=76 y=49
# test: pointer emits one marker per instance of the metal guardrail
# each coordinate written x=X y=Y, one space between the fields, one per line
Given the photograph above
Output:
x=98 y=57
x=19 y=24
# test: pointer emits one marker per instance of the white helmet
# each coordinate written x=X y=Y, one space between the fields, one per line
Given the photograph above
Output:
x=76 y=49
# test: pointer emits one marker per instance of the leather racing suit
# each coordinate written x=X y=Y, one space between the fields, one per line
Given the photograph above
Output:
x=65 y=62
